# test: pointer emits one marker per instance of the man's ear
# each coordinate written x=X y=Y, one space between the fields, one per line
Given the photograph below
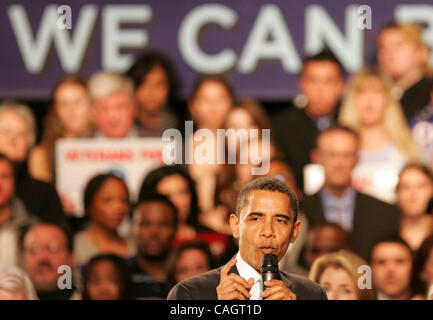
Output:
x=234 y=225
x=296 y=229
x=314 y=155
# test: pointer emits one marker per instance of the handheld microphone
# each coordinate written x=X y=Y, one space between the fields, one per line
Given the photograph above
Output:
x=269 y=269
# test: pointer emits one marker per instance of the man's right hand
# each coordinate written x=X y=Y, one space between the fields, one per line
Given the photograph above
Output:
x=233 y=286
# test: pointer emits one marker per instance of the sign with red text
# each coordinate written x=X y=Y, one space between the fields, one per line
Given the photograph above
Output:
x=78 y=160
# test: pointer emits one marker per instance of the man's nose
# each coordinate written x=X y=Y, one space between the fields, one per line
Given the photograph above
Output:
x=44 y=256
x=268 y=229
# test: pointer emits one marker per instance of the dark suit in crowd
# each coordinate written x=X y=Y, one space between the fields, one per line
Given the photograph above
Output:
x=295 y=133
x=373 y=219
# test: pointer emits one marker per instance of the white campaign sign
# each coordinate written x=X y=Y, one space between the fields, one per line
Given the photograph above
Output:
x=378 y=181
x=78 y=160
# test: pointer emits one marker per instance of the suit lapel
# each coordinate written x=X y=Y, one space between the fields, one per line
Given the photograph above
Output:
x=358 y=220
x=234 y=270
x=287 y=281
x=319 y=206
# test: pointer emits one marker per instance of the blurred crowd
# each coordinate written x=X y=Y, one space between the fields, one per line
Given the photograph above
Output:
x=373 y=125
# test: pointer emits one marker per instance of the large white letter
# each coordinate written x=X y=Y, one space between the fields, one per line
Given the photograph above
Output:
x=188 y=38
x=418 y=13
x=172 y=152
x=270 y=22
x=34 y=51
x=113 y=38
x=65 y=280
x=321 y=31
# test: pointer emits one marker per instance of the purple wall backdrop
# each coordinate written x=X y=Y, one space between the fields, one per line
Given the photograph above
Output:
x=269 y=81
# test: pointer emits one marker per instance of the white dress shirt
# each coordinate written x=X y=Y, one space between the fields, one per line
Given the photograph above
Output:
x=247 y=272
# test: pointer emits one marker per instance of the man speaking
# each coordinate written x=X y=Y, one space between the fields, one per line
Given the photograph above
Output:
x=265 y=223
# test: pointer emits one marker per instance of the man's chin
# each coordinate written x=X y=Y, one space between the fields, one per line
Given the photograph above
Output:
x=46 y=286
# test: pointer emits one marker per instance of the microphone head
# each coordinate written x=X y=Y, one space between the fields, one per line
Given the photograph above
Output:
x=269 y=259
x=269 y=269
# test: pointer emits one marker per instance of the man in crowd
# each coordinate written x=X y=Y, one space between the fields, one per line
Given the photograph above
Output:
x=46 y=248
x=154 y=226
x=13 y=214
x=322 y=239
x=321 y=83
x=265 y=223
x=391 y=265
x=113 y=108
x=364 y=218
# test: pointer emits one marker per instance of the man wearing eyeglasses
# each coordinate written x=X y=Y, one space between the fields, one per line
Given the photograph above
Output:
x=47 y=257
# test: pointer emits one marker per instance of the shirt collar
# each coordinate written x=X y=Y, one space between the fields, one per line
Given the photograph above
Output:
x=347 y=197
x=245 y=270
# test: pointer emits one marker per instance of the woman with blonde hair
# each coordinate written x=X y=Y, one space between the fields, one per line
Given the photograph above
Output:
x=338 y=273
x=385 y=140
x=404 y=55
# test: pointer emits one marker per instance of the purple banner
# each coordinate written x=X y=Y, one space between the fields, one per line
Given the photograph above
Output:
x=259 y=44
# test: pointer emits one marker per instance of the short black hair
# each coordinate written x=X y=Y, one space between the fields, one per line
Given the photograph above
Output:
x=66 y=230
x=392 y=238
x=324 y=55
x=156 y=197
x=146 y=63
x=126 y=285
x=268 y=184
x=327 y=224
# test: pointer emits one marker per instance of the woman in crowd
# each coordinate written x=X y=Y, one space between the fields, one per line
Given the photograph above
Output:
x=211 y=99
x=155 y=86
x=106 y=203
x=403 y=54
x=188 y=260
x=175 y=183
x=337 y=273
x=17 y=137
x=422 y=270
x=414 y=191
x=385 y=139
x=15 y=284
x=107 y=277
x=249 y=115
x=68 y=117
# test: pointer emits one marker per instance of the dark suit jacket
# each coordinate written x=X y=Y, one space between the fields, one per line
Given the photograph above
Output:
x=295 y=133
x=203 y=287
x=373 y=219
